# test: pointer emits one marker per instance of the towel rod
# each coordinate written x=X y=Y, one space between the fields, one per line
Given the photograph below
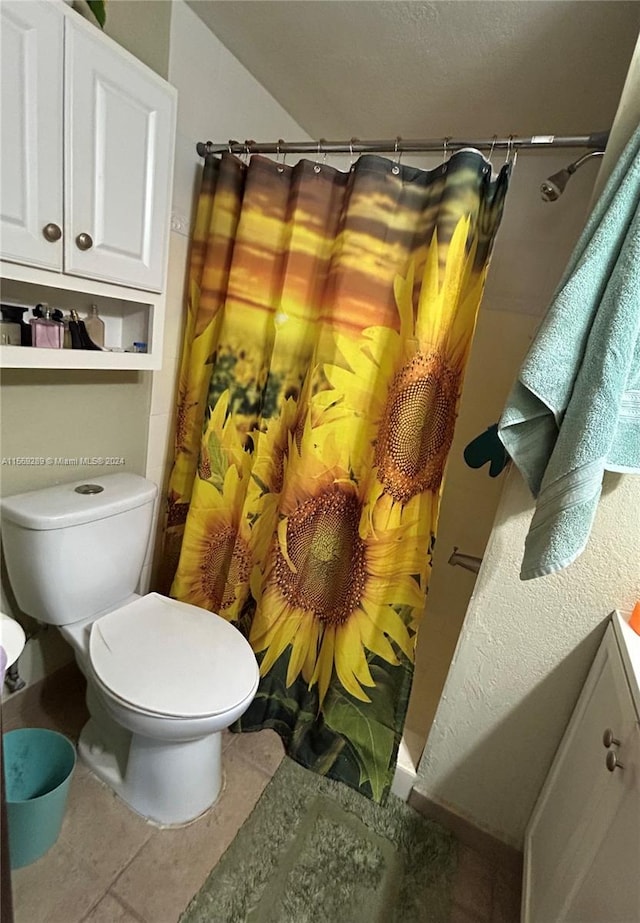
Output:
x=595 y=141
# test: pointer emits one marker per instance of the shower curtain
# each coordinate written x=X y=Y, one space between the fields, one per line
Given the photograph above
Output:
x=329 y=321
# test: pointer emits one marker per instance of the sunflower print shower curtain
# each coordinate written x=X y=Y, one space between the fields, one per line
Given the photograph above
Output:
x=329 y=320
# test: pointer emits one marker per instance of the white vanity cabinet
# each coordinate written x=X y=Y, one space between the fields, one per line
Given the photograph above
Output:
x=88 y=136
x=582 y=846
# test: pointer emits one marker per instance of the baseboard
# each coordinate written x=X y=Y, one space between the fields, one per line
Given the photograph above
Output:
x=406 y=774
x=466 y=832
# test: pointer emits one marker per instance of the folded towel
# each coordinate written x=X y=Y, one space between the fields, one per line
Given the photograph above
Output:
x=575 y=410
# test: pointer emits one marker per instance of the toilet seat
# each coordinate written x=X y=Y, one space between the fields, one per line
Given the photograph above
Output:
x=168 y=658
x=124 y=703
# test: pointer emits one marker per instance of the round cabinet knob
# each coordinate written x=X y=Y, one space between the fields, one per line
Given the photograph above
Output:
x=608 y=739
x=611 y=762
x=52 y=232
x=84 y=241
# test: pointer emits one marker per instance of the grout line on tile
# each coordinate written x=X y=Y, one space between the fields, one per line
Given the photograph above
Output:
x=227 y=740
x=117 y=878
x=245 y=758
x=95 y=904
x=123 y=903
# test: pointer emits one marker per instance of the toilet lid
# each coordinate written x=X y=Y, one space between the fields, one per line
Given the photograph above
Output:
x=170 y=658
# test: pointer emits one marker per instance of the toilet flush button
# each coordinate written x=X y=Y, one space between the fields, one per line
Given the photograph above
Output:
x=89 y=489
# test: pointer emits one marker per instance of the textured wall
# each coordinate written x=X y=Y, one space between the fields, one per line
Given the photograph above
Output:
x=526 y=648
x=522 y=657
x=420 y=68
x=141 y=26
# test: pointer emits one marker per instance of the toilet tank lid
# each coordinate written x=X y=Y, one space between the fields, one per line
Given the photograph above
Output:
x=62 y=506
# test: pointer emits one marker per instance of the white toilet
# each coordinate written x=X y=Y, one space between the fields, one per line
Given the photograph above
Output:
x=163 y=678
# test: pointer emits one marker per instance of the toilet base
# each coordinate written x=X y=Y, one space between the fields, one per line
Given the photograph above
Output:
x=168 y=783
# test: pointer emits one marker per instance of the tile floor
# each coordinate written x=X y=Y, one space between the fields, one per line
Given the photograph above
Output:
x=110 y=866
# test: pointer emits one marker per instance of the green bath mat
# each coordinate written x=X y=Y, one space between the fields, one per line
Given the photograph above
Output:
x=315 y=851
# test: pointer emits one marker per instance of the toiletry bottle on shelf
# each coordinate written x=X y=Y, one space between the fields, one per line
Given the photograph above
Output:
x=45 y=331
x=66 y=336
x=9 y=333
x=14 y=313
x=95 y=326
x=80 y=339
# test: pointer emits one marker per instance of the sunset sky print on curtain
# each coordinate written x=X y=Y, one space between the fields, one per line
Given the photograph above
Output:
x=330 y=317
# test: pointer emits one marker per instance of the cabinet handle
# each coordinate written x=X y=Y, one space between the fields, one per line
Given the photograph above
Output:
x=51 y=232
x=608 y=738
x=84 y=241
x=611 y=762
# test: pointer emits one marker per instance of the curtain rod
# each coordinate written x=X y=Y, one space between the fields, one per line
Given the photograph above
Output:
x=596 y=141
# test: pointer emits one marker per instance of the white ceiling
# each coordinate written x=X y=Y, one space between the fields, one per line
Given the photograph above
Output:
x=471 y=68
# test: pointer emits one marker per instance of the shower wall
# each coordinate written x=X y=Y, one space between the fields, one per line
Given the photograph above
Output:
x=532 y=247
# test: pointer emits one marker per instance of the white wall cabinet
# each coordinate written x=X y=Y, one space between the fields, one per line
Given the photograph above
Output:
x=87 y=148
x=31 y=144
x=582 y=846
x=91 y=200
x=120 y=138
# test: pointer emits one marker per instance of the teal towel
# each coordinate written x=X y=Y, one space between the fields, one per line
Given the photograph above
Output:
x=574 y=412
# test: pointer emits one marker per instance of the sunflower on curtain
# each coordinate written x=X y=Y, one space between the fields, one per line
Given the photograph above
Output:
x=330 y=317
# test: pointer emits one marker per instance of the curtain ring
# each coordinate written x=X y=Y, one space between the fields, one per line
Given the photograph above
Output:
x=445 y=148
x=395 y=169
x=510 y=151
x=280 y=166
x=492 y=148
x=246 y=152
x=353 y=159
x=318 y=166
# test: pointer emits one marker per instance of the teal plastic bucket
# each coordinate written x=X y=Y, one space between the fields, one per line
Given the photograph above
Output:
x=38 y=765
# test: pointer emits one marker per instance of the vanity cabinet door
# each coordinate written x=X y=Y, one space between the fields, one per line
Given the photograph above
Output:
x=120 y=121
x=582 y=848
x=610 y=886
x=31 y=220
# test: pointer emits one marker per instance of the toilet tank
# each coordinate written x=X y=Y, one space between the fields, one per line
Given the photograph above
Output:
x=77 y=549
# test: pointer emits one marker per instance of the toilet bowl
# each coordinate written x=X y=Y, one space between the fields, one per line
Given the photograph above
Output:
x=171 y=676
x=164 y=678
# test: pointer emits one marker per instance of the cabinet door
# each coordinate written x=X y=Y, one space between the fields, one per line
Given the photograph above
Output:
x=582 y=847
x=120 y=125
x=31 y=133
x=610 y=887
